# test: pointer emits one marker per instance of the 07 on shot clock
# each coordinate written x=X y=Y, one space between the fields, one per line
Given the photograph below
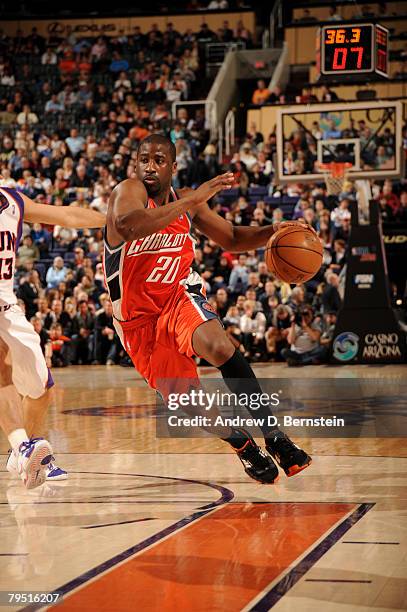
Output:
x=352 y=49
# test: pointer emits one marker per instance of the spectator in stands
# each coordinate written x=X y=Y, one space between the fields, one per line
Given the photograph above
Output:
x=338 y=255
x=389 y=198
x=303 y=339
x=297 y=299
x=101 y=202
x=7 y=118
x=222 y=302
x=105 y=341
x=247 y=156
x=64 y=237
x=75 y=143
x=334 y=15
x=261 y=94
x=253 y=327
x=331 y=300
x=231 y=324
x=28 y=250
x=239 y=276
x=218 y=5
x=53 y=105
x=56 y=273
x=80 y=200
x=27 y=117
x=29 y=291
x=277 y=332
x=328 y=331
x=401 y=215
x=56 y=314
x=329 y=96
x=82 y=337
x=45 y=341
x=342 y=232
x=340 y=212
x=59 y=346
x=49 y=57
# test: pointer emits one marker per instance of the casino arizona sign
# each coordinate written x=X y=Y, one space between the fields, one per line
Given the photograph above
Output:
x=378 y=346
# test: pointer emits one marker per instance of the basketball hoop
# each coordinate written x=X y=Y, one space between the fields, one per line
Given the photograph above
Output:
x=335 y=174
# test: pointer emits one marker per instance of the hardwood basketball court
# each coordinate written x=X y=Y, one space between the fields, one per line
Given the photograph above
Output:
x=175 y=524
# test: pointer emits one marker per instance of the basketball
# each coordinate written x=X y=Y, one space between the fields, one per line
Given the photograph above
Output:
x=294 y=254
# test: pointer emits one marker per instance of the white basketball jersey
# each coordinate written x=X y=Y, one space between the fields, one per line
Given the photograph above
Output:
x=11 y=227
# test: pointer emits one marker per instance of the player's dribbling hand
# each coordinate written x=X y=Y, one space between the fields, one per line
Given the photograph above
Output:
x=207 y=190
x=282 y=224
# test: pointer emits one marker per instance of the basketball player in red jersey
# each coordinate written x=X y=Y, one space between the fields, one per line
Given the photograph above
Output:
x=159 y=305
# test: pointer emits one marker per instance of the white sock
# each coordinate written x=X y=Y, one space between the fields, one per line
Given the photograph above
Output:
x=16 y=437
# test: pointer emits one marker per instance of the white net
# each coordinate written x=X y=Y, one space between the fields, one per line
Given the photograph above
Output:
x=335 y=174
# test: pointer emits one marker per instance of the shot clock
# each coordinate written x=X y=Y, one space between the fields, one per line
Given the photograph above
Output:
x=353 y=49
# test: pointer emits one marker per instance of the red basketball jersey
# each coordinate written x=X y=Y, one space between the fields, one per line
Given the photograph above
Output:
x=143 y=274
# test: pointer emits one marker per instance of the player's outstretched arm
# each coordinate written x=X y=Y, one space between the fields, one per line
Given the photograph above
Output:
x=67 y=216
x=230 y=237
x=128 y=219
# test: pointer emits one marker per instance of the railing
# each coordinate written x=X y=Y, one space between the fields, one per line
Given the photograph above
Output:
x=229 y=131
x=226 y=136
x=215 y=54
x=220 y=145
x=275 y=23
x=211 y=119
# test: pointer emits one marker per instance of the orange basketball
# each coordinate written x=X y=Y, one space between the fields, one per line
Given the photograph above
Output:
x=294 y=254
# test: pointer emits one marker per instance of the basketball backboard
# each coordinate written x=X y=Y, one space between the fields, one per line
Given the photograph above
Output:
x=365 y=134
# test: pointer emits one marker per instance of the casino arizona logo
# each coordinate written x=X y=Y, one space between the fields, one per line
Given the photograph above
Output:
x=157 y=243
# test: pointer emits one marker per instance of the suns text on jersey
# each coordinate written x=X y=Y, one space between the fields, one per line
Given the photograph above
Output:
x=157 y=243
x=7 y=241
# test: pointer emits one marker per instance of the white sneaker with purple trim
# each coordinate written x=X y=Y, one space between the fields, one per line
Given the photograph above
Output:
x=33 y=457
x=52 y=472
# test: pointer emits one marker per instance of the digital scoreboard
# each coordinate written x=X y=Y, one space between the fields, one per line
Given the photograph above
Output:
x=353 y=49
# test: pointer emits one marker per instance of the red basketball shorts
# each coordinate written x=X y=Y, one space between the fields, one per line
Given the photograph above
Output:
x=161 y=346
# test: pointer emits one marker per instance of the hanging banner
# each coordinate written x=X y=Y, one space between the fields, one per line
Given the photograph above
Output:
x=367 y=330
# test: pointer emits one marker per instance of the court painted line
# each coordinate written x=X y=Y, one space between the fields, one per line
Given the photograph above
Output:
x=223 y=561
x=357 y=542
x=337 y=580
x=277 y=591
x=226 y=495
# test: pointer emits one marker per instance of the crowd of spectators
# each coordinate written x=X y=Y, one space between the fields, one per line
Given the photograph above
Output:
x=72 y=120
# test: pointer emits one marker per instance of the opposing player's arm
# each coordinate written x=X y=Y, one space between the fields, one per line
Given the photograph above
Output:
x=128 y=219
x=67 y=216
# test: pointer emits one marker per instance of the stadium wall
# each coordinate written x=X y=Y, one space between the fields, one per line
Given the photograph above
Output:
x=112 y=26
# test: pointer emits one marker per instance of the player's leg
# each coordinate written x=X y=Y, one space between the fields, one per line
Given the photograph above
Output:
x=31 y=378
x=160 y=364
x=189 y=314
x=11 y=410
x=153 y=349
x=34 y=411
x=210 y=341
x=26 y=454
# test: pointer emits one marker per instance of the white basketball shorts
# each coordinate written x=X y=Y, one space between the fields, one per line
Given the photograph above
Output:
x=30 y=373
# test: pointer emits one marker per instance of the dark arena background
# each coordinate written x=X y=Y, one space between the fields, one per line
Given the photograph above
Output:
x=305 y=103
